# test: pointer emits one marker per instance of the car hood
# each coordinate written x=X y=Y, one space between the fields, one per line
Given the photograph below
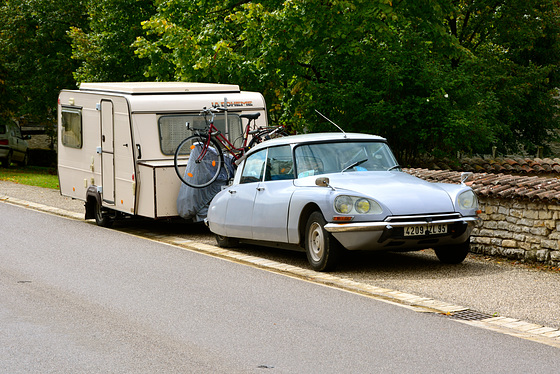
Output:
x=401 y=193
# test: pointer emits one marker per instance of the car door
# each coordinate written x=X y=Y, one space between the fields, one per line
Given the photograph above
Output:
x=272 y=199
x=239 y=214
x=20 y=145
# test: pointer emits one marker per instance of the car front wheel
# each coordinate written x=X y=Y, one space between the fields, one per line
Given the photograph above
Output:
x=25 y=160
x=453 y=254
x=226 y=241
x=323 y=251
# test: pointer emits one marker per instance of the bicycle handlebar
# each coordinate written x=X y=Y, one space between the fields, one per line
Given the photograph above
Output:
x=214 y=109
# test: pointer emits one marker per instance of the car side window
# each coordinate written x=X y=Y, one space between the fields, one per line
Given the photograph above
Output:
x=279 y=164
x=309 y=159
x=18 y=133
x=253 y=170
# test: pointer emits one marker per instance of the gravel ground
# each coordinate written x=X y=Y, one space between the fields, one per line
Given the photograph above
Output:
x=489 y=285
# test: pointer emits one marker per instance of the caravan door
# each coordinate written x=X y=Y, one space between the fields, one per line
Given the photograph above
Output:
x=107 y=152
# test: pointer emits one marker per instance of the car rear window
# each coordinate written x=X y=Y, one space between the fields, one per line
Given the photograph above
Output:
x=2 y=129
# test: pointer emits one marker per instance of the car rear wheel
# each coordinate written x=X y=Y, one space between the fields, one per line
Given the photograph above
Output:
x=226 y=241
x=323 y=251
x=453 y=254
x=6 y=162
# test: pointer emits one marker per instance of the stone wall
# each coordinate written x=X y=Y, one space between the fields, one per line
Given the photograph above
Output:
x=519 y=229
x=520 y=213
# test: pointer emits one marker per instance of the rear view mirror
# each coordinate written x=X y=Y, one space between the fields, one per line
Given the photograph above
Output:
x=466 y=176
x=322 y=182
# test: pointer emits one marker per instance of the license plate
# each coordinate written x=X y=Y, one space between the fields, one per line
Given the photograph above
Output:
x=421 y=230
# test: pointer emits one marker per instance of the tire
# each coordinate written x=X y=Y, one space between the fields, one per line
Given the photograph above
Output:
x=323 y=251
x=102 y=217
x=211 y=162
x=264 y=135
x=25 y=160
x=8 y=160
x=226 y=241
x=453 y=254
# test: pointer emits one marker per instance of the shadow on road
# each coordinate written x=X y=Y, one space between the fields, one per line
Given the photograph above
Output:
x=354 y=264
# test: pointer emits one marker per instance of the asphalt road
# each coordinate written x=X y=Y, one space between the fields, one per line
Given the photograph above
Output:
x=77 y=298
x=491 y=286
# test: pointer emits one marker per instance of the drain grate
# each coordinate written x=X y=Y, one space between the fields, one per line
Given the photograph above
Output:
x=470 y=315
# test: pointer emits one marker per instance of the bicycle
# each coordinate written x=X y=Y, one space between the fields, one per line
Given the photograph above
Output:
x=206 y=145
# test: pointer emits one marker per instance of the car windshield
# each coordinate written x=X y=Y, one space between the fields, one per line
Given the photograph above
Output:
x=322 y=158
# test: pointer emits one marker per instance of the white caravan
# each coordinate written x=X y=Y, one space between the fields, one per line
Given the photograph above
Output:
x=116 y=141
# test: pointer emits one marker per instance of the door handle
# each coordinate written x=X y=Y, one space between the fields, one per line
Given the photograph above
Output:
x=232 y=191
x=260 y=188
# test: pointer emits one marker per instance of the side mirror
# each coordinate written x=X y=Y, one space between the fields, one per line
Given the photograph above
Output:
x=466 y=176
x=322 y=182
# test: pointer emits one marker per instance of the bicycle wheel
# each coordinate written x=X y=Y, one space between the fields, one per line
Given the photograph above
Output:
x=267 y=134
x=205 y=161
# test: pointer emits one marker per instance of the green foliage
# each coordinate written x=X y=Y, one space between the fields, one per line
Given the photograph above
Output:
x=435 y=77
x=103 y=46
x=35 y=57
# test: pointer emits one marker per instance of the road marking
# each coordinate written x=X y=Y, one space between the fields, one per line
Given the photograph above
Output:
x=509 y=326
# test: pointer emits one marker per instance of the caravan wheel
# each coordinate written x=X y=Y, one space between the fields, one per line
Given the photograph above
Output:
x=102 y=216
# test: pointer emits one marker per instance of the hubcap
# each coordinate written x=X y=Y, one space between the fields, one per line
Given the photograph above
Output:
x=316 y=242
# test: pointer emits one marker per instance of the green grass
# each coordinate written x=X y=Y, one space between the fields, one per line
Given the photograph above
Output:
x=31 y=176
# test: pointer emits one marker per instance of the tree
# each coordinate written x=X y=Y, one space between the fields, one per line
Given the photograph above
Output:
x=35 y=58
x=516 y=51
x=435 y=77
x=103 y=46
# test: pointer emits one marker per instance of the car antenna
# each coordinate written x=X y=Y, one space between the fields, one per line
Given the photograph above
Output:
x=338 y=127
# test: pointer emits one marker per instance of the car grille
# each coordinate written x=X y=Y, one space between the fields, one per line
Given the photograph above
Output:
x=394 y=236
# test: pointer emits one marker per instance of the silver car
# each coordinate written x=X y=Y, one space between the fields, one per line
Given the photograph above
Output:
x=13 y=145
x=324 y=193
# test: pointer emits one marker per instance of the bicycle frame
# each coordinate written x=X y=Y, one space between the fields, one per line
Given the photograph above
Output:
x=213 y=131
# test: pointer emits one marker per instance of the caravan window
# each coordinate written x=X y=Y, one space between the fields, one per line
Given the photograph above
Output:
x=71 y=129
x=173 y=129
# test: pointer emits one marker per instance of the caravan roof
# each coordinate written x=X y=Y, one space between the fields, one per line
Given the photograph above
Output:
x=171 y=97
x=159 y=87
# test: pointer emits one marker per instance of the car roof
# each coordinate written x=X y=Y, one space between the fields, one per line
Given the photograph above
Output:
x=316 y=137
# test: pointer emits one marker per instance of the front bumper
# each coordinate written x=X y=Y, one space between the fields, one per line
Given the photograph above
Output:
x=390 y=235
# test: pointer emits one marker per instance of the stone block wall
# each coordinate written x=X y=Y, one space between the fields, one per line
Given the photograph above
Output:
x=518 y=229
x=520 y=213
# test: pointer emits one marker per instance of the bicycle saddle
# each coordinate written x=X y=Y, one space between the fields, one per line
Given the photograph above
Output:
x=250 y=115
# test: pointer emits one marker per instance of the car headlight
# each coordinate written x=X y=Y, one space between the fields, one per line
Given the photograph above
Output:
x=343 y=204
x=467 y=200
x=356 y=205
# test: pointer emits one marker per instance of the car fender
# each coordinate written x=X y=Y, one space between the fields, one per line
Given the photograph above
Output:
x=304 y=201
x=216 y=216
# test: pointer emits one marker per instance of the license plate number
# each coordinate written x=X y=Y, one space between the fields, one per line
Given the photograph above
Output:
x=421 y=230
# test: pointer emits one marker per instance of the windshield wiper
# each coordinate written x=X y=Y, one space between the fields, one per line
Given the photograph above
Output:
x=393 y=167
x=354 y=164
